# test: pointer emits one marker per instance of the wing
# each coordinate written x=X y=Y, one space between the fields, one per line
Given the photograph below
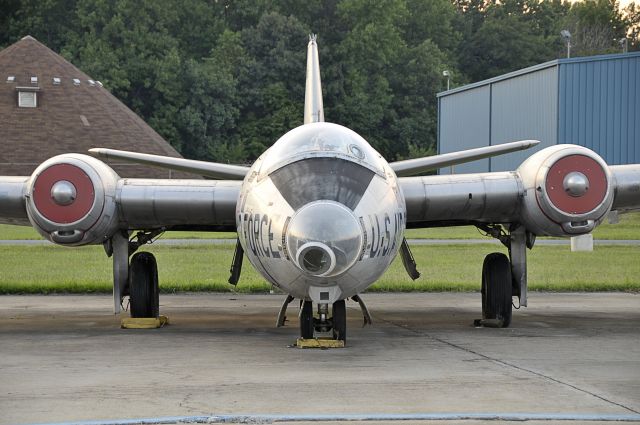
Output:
x=12 y=200
x=76 y=199
x=412 y=167
x=561 y=191
x=208 y=169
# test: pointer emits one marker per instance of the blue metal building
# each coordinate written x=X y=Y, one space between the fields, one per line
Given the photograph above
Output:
x=590 y=101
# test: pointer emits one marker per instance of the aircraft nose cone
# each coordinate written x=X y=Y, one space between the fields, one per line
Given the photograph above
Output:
x=324 y=238
x=576 y=184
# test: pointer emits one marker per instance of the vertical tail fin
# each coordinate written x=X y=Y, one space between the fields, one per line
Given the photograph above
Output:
x=313 y=109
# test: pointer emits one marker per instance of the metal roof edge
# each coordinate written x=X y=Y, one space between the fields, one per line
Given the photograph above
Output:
x=596 y=58
x=511 y=74
x=537 y=67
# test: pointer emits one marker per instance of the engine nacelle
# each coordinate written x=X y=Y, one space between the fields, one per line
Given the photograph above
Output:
x=568 y=189
x=71 y=200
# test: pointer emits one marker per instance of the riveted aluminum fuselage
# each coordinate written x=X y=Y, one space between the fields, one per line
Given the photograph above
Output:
x=320 y=214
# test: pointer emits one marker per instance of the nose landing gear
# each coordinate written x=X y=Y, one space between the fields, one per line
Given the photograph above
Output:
x=322 y=325
x=336 y=324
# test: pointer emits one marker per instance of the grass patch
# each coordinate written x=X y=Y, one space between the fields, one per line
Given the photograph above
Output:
x=14 y=233
x=53 y=269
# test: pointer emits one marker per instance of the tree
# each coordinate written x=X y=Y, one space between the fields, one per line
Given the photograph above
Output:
x=596 y=26
x=223 y=80
x=49 y=21
x=632 y=18
x=509 y=35
x=272 y=85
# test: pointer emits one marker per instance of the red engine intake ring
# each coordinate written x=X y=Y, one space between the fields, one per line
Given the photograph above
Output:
x=63 y=214
x=576 y=204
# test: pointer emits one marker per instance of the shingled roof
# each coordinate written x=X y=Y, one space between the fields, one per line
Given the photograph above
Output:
x=73 y=113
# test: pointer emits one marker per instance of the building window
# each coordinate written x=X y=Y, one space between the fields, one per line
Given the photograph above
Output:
x=27 y=99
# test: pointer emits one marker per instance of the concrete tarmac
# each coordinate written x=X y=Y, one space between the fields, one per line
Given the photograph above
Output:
x=65 y=359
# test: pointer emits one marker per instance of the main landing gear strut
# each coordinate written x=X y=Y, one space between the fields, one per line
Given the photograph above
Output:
x=504 y=277
x=137 y=278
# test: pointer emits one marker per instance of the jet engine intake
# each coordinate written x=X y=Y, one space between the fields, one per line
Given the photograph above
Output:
x=568 y=189
x=71 y=200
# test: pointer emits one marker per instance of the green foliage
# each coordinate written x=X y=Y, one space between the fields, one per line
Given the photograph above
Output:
x=223 y=80
x=596 y=26
x=503 y=36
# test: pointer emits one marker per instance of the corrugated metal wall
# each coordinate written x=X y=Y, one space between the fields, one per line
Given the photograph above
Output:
x=522 y=108
x=464 y=124
x=591 y=101
x=600 y=107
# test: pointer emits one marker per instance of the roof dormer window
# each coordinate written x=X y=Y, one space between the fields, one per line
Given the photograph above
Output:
x=11 y=79
x=76 y=82
x=56 y=81
x=27 y=99
x=34 y=80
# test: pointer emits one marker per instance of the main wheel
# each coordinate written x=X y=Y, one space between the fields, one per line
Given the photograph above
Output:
x=306 y=320
x=496 y=288
x=340 y=320
x=144 y=295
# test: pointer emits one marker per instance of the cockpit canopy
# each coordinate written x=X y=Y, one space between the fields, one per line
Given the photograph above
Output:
x=321 y=140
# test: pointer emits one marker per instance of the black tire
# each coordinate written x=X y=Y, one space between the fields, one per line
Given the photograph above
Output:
x=340 y=321
x=306 y=320
x=144 y=297
x=496 y=288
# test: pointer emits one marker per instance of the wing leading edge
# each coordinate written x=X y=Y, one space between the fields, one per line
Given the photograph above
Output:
x=208 y=169
x=412 y=167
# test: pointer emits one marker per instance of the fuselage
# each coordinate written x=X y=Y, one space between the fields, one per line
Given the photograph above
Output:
x=320 y=214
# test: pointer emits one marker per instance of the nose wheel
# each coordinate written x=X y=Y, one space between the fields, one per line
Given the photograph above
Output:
x=337 y=324
x=340 y=321
x=306 y=320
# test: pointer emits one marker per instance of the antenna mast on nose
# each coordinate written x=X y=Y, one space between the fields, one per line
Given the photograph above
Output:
x=313 y=109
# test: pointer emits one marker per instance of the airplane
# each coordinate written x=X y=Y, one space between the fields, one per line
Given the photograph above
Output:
x=321 y=214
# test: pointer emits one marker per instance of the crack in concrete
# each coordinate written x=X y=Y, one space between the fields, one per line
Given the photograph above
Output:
x=508 y=364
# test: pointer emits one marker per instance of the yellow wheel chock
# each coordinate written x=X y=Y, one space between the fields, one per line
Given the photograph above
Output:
x=144 y=322
x=319 y=343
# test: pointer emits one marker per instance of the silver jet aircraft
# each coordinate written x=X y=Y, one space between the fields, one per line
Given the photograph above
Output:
x=321 y=214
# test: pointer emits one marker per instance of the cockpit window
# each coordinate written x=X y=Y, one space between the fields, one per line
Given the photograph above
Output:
x=314 y=179
x=317 y=140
